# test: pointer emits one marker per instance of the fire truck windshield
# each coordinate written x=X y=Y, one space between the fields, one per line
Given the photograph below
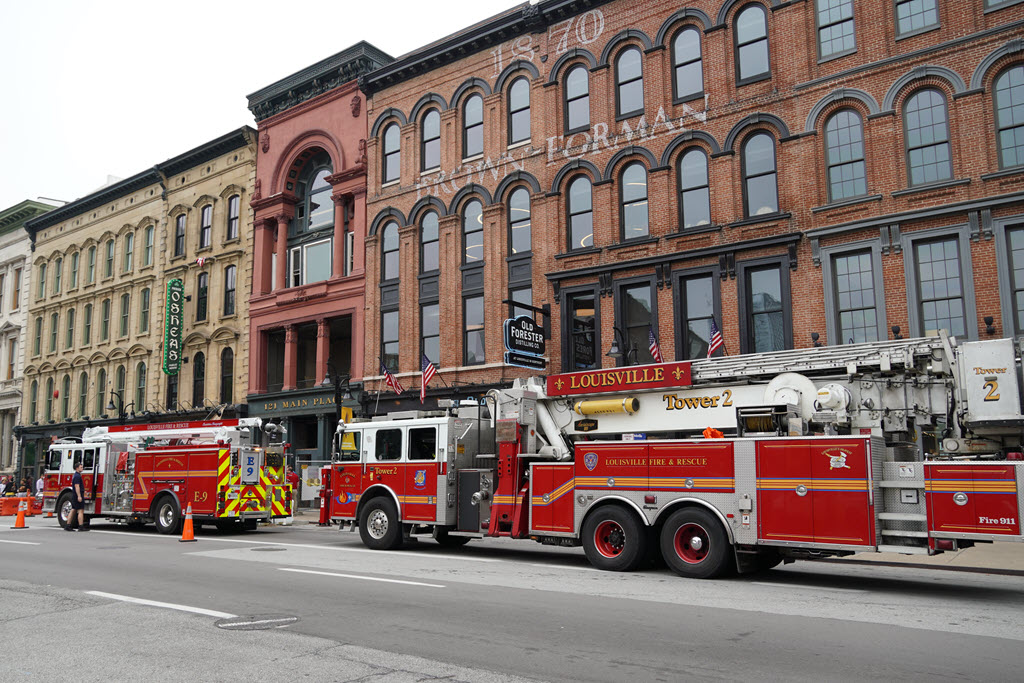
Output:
x=348 y=450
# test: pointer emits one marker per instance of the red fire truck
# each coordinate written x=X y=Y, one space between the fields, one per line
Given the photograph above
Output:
x=137 y=474
x=911 y=446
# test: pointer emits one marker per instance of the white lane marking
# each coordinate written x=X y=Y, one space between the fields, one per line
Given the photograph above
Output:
x=19 y=542
x=563 y=566
x=165 y=605
x=283 y=621
x=810 y=588
x=363 y=578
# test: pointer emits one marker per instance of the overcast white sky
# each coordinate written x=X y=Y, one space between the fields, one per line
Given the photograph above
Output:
x=98 y=88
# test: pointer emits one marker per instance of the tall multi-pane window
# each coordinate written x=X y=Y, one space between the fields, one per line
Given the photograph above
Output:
x=41 y=287
x=108 y=258
x=140 y=387
x=760 y=186
x=83 y=394
x=392 y=152
x=940 y=287
x=473 y=126
x=101 y=392
x=577 y=99
x=697 y=310
x=90 y=270
x=229 y=290
x=430 y=152
x=58 y=270
x=227 y=376
x=473 y=336
x=764 y=306
x=202 y=295
x=179 y=235
x=121 y=383
x=49 y=399
x=311 y=241
x=87 y=325
x=234 y=205
x=105 y=320
x=1009 y=96
x=389 y=252
x=1015 y=242
x=198 y=379
x=694 y=190
x=73 y=279
x=853 y=282
x=129 y=252
x=584 y=343
x=54 y=324
x=69 y=329
x=144 y=311
x=926 y=132
x=16 y=290
x=581 y=214
x=430 y=332
x=37 y=340
x=519 y=111
x=629 y=82
x=65 y=397
x=12 y=357
x=389 y=339
x=687 y=65
x=33 y=401
x=519 y=225
x=916 y=15
x=126 y=305
x=835 y=27
x=634 y=311
x=633 y=196
x=430 y=255
x=844 y=155
x=472 y=233
x=751 y=35
x=205 y=225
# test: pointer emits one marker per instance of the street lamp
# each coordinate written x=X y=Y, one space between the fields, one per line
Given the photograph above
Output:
x=616 y=351
x=333 y=379
x=122 y=409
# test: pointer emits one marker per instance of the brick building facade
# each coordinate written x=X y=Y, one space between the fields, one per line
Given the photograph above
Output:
x=94 y=347
x=794 y=173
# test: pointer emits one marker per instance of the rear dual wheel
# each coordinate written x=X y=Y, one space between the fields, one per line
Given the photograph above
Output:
x=614 y=539
x=694 y=544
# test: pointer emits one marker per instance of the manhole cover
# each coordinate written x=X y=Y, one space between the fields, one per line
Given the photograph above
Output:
x=266 y=549
x=258 y=622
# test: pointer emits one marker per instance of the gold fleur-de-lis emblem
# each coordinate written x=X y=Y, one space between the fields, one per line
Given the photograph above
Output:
x=677 y=373
x=559 y=383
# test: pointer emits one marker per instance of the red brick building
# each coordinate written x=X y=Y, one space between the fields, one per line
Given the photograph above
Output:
x=794 y=171
x=306 y=310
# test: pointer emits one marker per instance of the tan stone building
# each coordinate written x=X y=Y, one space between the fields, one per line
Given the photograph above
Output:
x=94 y=349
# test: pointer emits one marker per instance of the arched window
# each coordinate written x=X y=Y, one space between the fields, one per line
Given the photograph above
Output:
x=105 y=320
x=234 y=203
x=147 y=252
x=41 y=288
x=430 y=255
x=760 y=188
x=101 y=392
x=128 y=261
x=87 y=325
x=73 y=280
x=144 y=311
x=473 y=126
x=83 y=394
x=227 y=376
x=694 y=193
x=392 y=152
x=108 y=259
x=687 y=66
x=310 y=241
x=1009 y=96
x=519 y=238
x=430 y=152
x=140 y=387
x=202 y=295
x=229 y=290
x=581 y=214
x=844 y=155
x=198 y=379
x=205 y=226
x=926 y=132
x=179 y=235
x=389 y=247
x=316 y=212
x=751 y=35
x=69 y=329
x=629 y=82
x=126 y=305
x=58 y=269
x=91 y=266
x=473 y=232
x=519 y=111
x=577 y=99
x=122 y=381
x=65 y=398
x=33 y=401
x=49 y=399
x=54 y=323
x=633 y=198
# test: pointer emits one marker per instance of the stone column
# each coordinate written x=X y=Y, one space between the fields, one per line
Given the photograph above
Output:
x=291 y=357
x=282 y=253
x=323 y=348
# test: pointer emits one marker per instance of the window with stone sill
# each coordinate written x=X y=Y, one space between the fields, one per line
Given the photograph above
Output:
x=750 y=32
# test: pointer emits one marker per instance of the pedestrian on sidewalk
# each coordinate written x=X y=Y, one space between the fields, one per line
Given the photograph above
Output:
x=40 y=485
x=292 y=478
x=77 y=500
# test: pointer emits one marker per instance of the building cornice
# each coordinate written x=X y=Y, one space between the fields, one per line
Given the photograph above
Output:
x=13 y=218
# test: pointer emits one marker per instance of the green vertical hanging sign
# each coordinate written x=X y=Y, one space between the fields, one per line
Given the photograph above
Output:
x=172 y=326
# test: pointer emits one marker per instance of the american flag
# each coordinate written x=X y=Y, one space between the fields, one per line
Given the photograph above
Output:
x=655 y=349
x=390 y=379
x=716 y=339
x=428 y=374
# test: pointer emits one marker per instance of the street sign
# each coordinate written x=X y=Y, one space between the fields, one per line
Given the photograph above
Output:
x=524 y=336
x=525 y=361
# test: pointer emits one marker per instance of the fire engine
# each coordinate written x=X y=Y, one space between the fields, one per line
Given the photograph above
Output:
x=135 y=474
x=718 y=466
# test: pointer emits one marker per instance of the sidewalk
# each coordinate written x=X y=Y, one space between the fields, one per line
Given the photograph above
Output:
x=997 y=558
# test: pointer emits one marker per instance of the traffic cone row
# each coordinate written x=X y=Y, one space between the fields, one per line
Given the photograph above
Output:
x=19 y=523
x=186 y=532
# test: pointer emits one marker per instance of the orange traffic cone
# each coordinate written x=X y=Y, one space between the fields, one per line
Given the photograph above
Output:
x=19 y=523
x=186 y=533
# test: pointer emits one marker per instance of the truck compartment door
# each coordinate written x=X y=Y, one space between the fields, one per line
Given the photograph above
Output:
x=785 y=510
x=970 y=499
x=843 y=512
x=551 y=498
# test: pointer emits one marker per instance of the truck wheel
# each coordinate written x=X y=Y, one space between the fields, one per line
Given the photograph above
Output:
x=379 y=526
x=64 y=509
x=614 y=540
x=694 y=544
x=167 y=515
x=448 y=541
